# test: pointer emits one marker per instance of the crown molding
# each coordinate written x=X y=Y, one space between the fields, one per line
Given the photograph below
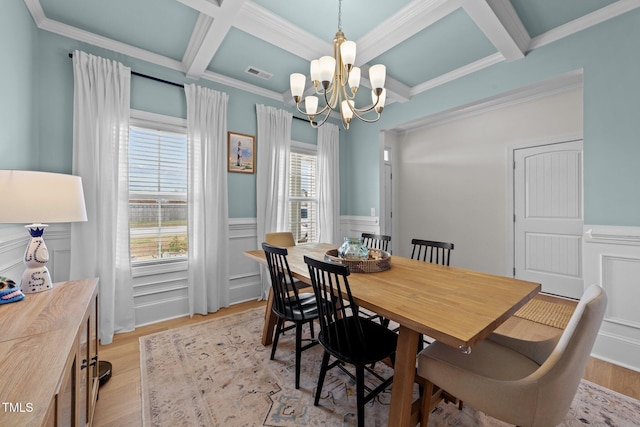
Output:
x=594 y=18
x=238 y=84
x=36 y=11
x=254 y=19
x=109 y=44
x=566 y=82
x=460 y=72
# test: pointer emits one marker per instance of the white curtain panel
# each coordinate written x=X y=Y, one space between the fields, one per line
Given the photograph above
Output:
x=272 y=180
x=207 y=199
x=100 y=246
x=328 y=184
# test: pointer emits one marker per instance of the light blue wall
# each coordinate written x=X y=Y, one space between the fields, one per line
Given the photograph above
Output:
x=18 y=87
x=608 y=53
x=37 y=107
x=55 y=105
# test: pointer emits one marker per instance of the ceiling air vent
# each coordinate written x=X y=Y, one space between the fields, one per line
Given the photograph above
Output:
x=258 y=73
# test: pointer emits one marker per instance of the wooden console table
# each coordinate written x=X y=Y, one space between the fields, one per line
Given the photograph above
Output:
x=49 y=357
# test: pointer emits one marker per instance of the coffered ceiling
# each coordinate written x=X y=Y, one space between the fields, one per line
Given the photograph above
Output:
x=254 y=45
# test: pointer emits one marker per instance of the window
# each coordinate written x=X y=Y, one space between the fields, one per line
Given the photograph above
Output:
x=303 y=198
x=157 y=192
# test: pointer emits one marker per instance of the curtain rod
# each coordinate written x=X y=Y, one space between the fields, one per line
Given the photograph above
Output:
x=146 y=76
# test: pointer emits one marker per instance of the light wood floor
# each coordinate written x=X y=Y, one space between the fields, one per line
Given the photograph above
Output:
x=119 y=402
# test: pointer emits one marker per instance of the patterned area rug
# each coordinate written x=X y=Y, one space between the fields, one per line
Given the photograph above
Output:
x=546 y=312
x=217 y=373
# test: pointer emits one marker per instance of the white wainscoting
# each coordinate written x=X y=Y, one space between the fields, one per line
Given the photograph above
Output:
x=612 y=260
x=354 y=226
x=160 y=292
x=13 y=244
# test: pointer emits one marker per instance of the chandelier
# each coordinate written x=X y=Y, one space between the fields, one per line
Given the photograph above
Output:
x=336 y=80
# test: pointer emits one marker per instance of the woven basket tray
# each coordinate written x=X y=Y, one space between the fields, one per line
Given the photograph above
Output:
x=378 y=261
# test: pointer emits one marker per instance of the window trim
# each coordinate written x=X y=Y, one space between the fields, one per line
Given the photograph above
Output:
x=160 y=122
x=309 y=150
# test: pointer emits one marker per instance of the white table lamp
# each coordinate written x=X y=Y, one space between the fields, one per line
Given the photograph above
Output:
x=39 y=198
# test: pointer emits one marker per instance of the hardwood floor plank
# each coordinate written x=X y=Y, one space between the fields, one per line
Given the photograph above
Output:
x=119 y=402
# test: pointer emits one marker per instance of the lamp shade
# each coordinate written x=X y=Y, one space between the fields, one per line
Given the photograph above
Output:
x=348 y=52
x=297 y=82
x=40 y=197
x=377 y=76
x=311 y=104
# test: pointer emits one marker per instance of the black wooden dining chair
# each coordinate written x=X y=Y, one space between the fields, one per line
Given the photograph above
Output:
x=376 y=241
x=344 y=335
x=431 y=251
x=288 y=304
x=435 y=253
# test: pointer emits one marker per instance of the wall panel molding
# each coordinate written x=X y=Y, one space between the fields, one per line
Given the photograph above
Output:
x=612 y=260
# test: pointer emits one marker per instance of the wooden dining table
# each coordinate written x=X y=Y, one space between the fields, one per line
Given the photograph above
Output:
x=456 y=306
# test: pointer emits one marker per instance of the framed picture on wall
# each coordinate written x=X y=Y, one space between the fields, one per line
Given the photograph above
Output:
x=241 y=151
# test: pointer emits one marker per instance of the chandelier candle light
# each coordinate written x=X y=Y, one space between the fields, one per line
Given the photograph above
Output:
x=331 y=76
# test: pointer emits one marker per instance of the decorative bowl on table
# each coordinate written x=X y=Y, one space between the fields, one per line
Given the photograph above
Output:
x=376 y=261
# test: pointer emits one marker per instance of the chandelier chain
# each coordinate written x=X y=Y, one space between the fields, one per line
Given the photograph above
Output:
x=340 y=15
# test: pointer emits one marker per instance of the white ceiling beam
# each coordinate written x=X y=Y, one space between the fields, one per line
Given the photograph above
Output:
x=408 y=21
x=207 y=38
x=499 y=21
x=210 y=8
x=263 y=24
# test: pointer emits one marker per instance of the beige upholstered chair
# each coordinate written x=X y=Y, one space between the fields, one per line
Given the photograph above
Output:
x=281 y=238
x=520 y=382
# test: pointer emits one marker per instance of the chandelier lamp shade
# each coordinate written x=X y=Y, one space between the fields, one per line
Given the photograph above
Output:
x=336 y=80
x=33 y=198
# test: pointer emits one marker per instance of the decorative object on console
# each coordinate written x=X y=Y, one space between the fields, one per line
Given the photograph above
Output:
x=9 y=291
x=353 y=248
x=334 y=73
x=358 y=257
x=38 y=197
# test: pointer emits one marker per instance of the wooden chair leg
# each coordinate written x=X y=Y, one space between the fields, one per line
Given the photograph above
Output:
x=425 y=407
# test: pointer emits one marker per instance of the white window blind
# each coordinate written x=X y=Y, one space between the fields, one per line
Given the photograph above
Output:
x=303 y=198
x=157 y=194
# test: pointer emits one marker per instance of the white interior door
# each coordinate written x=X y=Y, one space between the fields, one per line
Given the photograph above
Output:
x=548 y=220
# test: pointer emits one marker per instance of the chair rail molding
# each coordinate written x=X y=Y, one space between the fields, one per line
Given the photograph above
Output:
x=612 y=260
x=354 y=226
